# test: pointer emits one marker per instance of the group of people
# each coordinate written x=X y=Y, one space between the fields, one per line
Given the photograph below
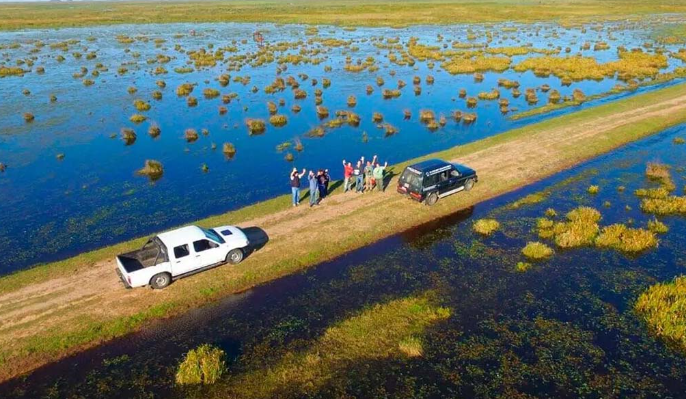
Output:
x=362 y=177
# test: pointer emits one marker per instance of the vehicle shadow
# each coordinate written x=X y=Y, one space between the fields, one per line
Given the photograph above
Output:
x=258 y=239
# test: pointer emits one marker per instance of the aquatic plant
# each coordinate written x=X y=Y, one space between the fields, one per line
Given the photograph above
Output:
x=352 y=101
x=278 y=120
x=659 y=192
x=202 y=365
x=289 y=157
x=128 y=135
x=190 y=135
x=662 y=308
x=184 y=89
x=161 y=84
x=593 y=189
x=210 y=93
x=157 y=95
x=462 y=93
x=411 y=346
x=154 y=130
x=550 y=212
x=554 y=97
x=377 y=117
x=522 y=267
x=131 y=90
x=657 y=226
x=299 y=94
x=229 y=150
x=477 y=64
x=388 y=93
x=11 y=71
x=664 y=206
x=222 y=110
x=322 y=111
x=468 y=117
x=256 y=126
x=578 y=96
x=537 y=250
x=492 y=95
x=295 y=108
x=426 y=115
x=625 y=239
x=191 y=101
x=471 y=102
x=28 y=117
x=389 y=130
x=486 y=226
x=379 y=81
x=679 y=140
x=137 y=118
x=152 y=169
x=141 y=105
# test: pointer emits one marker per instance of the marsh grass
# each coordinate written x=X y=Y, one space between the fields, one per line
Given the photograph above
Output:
x=278 y=120
x=411 y=346
x=210 y=93
x=486 y=227
x=184 y=89
x=28 y=117
x=522 y=267
x=190 y=135
x=191 y=101
x=202 y=365
x=661 y=307
x=138 y=118
x=593 y=190
x=256 y=126
x=626 y=239
x=128 y=135
x=229 y=150
x=152 y=169
x=537 y=250
x=322 y=111
x=141 y=105
x=390 y=93
x=657 y=226
x=679 y=140
x=154 y=130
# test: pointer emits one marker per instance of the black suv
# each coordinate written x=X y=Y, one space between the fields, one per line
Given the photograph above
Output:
x=433 y=179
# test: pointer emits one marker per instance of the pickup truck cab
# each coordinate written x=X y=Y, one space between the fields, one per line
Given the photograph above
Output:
x=179 y=253
x=430 y=180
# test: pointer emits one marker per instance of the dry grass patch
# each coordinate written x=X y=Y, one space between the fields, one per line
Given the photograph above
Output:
x=537 y=250
x=662 y=308
x=486 y=226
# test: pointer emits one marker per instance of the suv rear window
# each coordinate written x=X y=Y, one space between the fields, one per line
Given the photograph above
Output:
x=412 y=179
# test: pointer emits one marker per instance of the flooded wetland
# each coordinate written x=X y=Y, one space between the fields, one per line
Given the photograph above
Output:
x=567 y=287
x=109 y=135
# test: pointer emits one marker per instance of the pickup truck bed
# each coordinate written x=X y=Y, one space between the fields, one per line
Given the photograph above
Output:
x=152 y=253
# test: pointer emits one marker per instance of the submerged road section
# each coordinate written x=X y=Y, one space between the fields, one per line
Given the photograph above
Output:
x=57 y=309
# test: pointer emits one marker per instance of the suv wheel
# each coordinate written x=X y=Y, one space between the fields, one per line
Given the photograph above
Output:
x=235 y=256
x=160 y=280
x=468 y=184
x=432 y=199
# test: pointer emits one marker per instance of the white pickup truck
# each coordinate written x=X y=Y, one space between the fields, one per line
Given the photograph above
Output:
x=179 y=253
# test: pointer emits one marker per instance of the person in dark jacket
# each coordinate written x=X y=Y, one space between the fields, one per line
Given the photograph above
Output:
x=321 y=184
x=295 y=185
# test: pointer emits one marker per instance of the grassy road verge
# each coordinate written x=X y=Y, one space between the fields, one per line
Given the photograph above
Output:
x=60 y=308
x=343 y=12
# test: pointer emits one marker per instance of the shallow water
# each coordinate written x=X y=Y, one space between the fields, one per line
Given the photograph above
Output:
x=562 y=329
x=53 y=209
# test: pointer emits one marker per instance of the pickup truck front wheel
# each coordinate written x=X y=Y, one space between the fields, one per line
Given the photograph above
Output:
x=235 y=256
x=160 y=280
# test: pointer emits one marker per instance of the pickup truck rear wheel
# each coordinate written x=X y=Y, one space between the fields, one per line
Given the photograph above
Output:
x=235 y=256
x=468 y=184
x=160 y=280
x=432 y=199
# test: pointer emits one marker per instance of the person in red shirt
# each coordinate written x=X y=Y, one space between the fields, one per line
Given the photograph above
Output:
x=347 y=174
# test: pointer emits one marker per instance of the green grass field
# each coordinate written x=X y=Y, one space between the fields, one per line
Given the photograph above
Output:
x=342 y=12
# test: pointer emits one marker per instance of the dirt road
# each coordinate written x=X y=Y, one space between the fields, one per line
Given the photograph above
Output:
x=92 y=295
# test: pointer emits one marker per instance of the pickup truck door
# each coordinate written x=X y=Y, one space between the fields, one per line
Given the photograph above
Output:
x=208 y=252
x=182 y=260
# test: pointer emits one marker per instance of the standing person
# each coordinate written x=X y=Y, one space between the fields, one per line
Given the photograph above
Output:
x=314 y=193
x=347 y=174
x=321 y=184
x=327 y=180
x=295 y=185
x=378 y=175
x=357 y=172
x=368 y=174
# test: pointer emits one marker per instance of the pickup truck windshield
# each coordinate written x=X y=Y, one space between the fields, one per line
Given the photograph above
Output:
x=212 y=235
x=412 y=179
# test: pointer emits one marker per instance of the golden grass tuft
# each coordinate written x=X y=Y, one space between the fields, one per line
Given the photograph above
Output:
x=141 y=105
x=593 y=190
x=657 y=226
x=154 y=130
x=190 y=135
x=388 y=93
x=662 y=308
x=28 y=117
x=229 y=150
x=202 y=365
x=322 y=111
x=278 y=120
x=152 y=169
x=256 y=126
x=184 y=89
x=537 y=250
x=411 y=346
x=137 y=118
x=486 y=226
x=128 y=135
x=522 y=267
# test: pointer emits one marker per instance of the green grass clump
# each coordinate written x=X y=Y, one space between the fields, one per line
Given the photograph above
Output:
x=530 y=199
x=202 y=365
x=522 y=267
x=671 y=205
x=411 y=346
x=625 y=239
x=486 y=226
x=141 y=105
x=278 y=120
x=137 y=118
x=152 y=169
x=593 y=190
x=662 y=308
x=659 y=192
x=657 y=226
x=581 y=228
x=537 y=250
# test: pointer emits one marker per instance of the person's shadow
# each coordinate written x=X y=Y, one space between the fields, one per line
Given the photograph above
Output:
x=258 y=239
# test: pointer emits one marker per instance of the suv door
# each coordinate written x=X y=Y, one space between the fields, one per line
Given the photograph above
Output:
x=207 y=252
x=446 y=182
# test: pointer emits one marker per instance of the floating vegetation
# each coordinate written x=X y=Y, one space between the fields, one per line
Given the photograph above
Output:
x=138 y=118
x=554 y=97
x=322 y=111
x=210 y=93
x=492 y=95
x=154 y=130
x=157 y=95
x=202 y=365
x=316 y=132
x=289 y=157
x=256 y=126
x=471 y=102
x=152 y=169
x=128 y=135
x=481 y=63
x=229 y=150
x=191 y=101
x=184 y=89
x=388 y=93
x=662 y=308
x=679 y=140
x=625 y=239
x=299 y=94
x=278 y=120
x=411 y=347
x=593 y=189
x=417 y=90
x=352 y=101
x=486 y=226
x=377 y=117
x=295 y=108
x=389 y=130
x=530 y=199
x=426 y=116
x=191 y=135
x=11 y=71
x=222 y=110
x=141 y=105
x=657 y=226
x=522 y=267
x=537 y=250
x=580 y=229
x=28 y=117
x=468 y=118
